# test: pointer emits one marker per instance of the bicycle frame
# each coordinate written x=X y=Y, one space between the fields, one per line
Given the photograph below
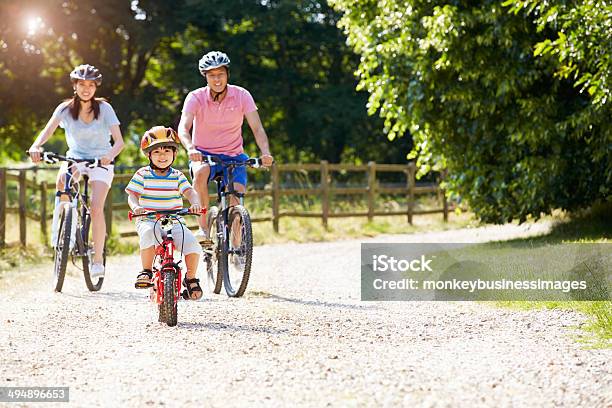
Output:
x=224 y=192
x=73 y=191
x=165 y=250
x=163 y=265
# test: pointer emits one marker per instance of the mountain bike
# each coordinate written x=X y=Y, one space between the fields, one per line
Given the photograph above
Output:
x=229 y=259
x=74 y=225
x=167 y=278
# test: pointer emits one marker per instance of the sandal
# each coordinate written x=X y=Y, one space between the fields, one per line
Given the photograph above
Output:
x=143 y=280
x=193 y=287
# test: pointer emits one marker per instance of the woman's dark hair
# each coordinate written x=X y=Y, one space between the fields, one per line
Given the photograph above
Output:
x=75 y=106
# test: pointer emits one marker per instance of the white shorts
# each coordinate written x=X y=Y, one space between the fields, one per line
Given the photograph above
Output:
x=149 y=238
x=104 y=175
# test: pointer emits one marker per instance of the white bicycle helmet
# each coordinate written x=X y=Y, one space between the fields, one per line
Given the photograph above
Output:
x=86 y=72
x=212 y=60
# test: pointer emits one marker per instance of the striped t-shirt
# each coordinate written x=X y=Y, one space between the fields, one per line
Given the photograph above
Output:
x=158 y=192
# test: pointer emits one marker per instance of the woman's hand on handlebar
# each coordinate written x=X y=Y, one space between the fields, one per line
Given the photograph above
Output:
x=35 y=153
x=105 y=160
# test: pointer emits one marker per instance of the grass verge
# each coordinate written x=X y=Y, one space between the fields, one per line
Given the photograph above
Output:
x=589 y=226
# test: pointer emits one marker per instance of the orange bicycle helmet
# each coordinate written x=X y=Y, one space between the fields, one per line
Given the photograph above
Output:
x=158 y=136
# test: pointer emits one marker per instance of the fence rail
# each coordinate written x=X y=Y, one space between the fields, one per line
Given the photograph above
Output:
x=372 y=192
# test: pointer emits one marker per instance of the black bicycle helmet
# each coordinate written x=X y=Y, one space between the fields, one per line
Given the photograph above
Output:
x=86 y=72
x=213 y=59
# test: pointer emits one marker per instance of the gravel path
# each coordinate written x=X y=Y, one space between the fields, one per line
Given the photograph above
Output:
x=300 y=336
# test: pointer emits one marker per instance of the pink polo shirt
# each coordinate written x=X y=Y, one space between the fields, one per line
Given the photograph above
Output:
x=217 y=127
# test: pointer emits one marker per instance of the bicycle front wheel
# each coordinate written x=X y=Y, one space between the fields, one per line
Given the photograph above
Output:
x=211 y=255
x=168 y=307
x=62 y=247
x=88 y=257
x=238 y=251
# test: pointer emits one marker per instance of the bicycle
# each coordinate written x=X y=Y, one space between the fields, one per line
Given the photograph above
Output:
x=167 y=278
x=72 y=240
x=221 y=221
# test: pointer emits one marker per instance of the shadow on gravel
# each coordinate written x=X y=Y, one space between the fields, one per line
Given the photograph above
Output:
x=232 y=328
x=311 y=302
x=114 y=296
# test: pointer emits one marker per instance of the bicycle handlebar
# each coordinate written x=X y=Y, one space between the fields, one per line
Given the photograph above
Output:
x=162 y=213
x=53 y=158
x=254 y=162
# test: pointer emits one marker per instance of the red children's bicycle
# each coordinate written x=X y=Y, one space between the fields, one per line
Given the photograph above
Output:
x=167 y=279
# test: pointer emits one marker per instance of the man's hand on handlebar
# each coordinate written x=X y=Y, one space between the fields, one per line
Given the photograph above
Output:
x=195 y=208
x=267 y=160
x=194 y=154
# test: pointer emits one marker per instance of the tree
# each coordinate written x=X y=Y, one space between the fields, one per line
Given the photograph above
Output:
x=517 y=140
x=289 y=54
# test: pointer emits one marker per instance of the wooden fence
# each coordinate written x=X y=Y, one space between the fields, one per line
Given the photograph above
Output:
x=324 y=190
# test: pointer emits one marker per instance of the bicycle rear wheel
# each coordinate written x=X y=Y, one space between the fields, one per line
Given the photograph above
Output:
x=238 y=252
x=211 y=257
x=168 y=308
x=87 y=256
x=62 y=247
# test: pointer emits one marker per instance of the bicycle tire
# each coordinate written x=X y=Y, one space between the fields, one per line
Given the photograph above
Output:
x=88 y=247
x=62 y=248
x=234 y=287
x=214 y=272
x=168 y=308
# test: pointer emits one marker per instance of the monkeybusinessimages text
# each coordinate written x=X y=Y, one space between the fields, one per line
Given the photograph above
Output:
x=389 y=264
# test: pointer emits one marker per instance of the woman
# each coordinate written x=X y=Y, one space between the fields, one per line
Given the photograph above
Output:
x=88 y=122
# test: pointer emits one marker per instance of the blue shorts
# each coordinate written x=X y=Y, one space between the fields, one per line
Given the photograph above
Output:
x=240 y=173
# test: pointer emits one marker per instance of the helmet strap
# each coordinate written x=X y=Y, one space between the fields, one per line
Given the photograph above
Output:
x=217 y=95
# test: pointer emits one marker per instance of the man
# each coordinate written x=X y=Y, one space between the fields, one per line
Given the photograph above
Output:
x=216 y=113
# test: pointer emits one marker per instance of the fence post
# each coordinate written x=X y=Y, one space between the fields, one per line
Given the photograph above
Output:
x=3 y=196
x=324 y=192
x=43 y=209
x=444 y=206
x=275 y=197
x=371 y=189
x=444 y=201
x=22 y=207
x=108 y=212
x=411 y=184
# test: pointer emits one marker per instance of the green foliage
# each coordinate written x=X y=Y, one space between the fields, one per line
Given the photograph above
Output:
x=583 y=43
x=289 y=54
x=517 y=140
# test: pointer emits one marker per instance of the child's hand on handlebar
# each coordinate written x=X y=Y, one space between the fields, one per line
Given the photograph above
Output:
x=138 y=210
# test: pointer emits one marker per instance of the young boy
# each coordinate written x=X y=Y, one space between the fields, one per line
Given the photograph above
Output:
x=159 y=187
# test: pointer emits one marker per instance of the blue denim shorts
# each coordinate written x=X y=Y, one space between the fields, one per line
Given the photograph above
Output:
x=240 y=173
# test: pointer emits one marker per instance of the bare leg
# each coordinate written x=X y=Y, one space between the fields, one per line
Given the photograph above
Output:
x=237 y=238
x=99 y=190
x=191 y=261
x=200 y=184
x=146 y=257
